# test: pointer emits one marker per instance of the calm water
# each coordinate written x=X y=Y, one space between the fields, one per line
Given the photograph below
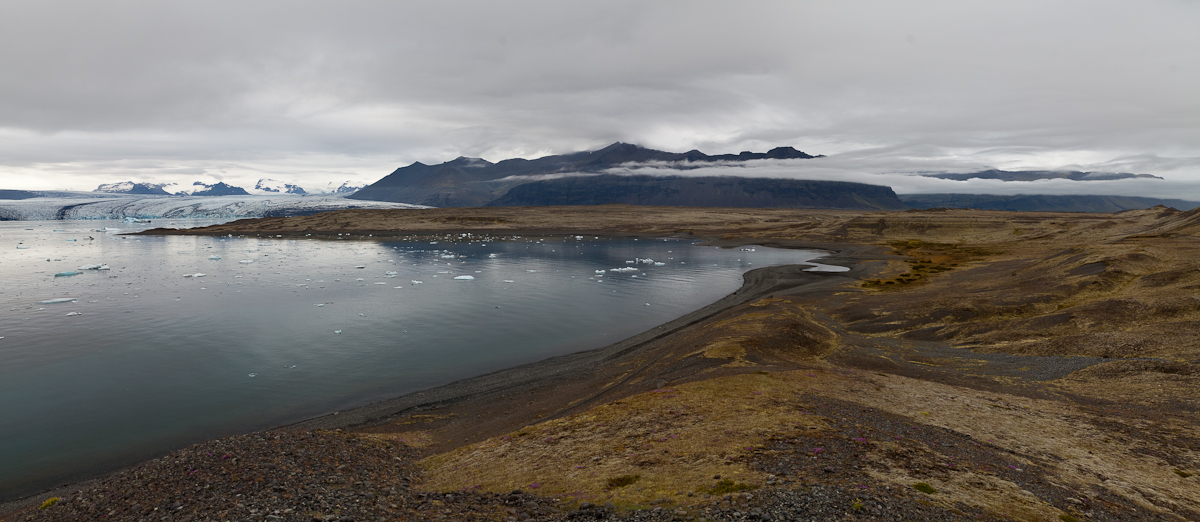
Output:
x=144 y=359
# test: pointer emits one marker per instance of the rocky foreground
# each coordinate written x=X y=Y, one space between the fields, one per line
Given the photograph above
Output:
x=970 y=366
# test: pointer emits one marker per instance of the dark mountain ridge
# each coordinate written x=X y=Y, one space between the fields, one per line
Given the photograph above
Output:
x=1041 y=202
x=700 y=191
x=1032 y=175
x=472 y=182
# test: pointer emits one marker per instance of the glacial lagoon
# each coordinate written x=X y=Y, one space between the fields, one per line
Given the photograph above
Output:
x=160 y=342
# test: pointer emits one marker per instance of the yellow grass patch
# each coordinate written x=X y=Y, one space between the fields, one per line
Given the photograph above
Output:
x=672 y=440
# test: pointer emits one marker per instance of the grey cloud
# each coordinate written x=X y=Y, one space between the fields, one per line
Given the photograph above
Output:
x=246 y=89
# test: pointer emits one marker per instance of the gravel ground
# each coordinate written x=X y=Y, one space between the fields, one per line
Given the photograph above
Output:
x=334 y=476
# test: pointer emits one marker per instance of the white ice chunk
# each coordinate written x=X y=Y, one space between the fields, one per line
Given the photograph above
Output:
x=509 y=281
x=464 y=278
x=337 y=331
x=246 y=261
x=214 y=257
x=58 y=300
x=68 y=273
x=70 y=314
x=415 y=282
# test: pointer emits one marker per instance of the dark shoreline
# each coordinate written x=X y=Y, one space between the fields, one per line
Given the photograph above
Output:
x=757 y=283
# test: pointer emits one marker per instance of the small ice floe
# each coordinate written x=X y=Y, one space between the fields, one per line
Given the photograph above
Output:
x=659 y=263
x=72 y=314
x=68 y=273
x=443 y=271
x=246 y=261
x=601 y=272
x=624 y=269
x=509 y=281
x=254 y=375
x=390 y=273
x=318 y=305
x=359 y=279
x=464 y=278
x=493 y=256
x=362 y=315
x=195 y=275
x=415 y=282
x=22 y=247
x=101 y=266
x=337 y=331
x=647 y=304
x=58 y=300
x=381 y=283
x=531 y=271
x=214 y=257
x=359 y=266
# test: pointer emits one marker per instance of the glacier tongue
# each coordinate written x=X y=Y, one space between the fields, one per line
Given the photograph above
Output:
x=111 y=206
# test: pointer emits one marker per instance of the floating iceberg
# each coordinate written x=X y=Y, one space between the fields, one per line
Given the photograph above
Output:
x=194 y=275
x=464 y=278
x=337 y=331
x=319 y=305
x=659 y=263
x=214 y=257
x=601 y=271
x=22 y=247
x=68 y=273
x=624 y=269
x=531 y=271
x=509 y=281
x=246 y=261
x=58 y=300
x=415 y=282
x=72 y=314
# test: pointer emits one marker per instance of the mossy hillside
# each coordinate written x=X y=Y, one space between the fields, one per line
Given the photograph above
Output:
x=673 y=440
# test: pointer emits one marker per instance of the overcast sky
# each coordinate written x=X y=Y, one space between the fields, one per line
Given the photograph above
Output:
x=306 y=92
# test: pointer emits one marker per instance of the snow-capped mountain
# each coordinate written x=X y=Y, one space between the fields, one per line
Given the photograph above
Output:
x=264 y=187
x=270 y=186
x=130 y=187
x=334 y=188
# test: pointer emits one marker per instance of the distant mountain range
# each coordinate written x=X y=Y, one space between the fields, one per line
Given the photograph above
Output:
x=474 y=182
x=264 y=186
x=1034 y=175
x=1041 y=203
